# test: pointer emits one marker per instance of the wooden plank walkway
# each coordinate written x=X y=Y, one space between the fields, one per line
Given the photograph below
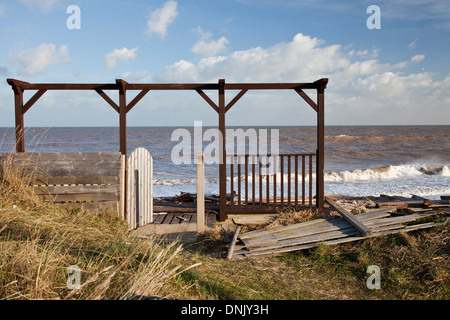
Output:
x=179 y=218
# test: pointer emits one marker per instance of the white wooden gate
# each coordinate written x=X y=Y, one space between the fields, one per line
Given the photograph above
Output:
x=139 y=188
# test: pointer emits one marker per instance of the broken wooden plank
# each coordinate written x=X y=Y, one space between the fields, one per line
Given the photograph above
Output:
x=243 y=253
x=258 y=233
x=233 y=242
x=325 y=226
x=349 y=217
x=254 y=219
x=341 y=233
x=395 y=220
x=313 y=226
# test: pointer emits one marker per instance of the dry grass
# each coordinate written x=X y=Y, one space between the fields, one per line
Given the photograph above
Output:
x=38 y=242
x=292 y=216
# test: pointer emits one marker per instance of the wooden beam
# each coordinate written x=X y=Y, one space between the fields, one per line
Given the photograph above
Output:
x=208 y=100
x=222 y=154
x=137 y=99
x=236 y=99
x=307 y=98
x=349 y=217
x=167 y=86
x=107 y=99
x=32 y=100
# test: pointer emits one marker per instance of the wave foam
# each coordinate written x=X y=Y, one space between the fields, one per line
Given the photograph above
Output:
x=387 y=173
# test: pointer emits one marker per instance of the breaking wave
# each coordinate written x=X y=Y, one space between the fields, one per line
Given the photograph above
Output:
x=360 y=175
x=387 y=173
x=347 y=138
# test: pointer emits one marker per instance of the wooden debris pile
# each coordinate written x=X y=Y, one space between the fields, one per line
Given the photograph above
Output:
x=387 y=218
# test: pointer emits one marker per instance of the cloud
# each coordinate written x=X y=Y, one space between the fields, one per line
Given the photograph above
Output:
x=206 y=47
x=136 y=77
x=417 y=58
x=45 y=6
x=161 y=19
x=362 y=89
x=35 y=60
x=302 y=58
x=120 y=56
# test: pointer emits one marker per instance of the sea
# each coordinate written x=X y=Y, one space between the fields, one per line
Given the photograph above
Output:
x=359 y=160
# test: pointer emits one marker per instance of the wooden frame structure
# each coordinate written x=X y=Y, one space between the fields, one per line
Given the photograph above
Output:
x=221 y=108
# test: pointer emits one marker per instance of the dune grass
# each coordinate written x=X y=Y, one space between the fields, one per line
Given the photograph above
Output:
x=39 y=242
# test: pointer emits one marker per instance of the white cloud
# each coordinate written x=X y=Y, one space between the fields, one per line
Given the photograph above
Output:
x=120 y=56
x=302 y=58
x=136 y=77
x=35 y=60
x=417 y=58
x=45 y=6
x=206 y=47
x=161 y=19
x=361 y=89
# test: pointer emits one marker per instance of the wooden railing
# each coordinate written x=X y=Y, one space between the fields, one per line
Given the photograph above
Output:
x=264 y=183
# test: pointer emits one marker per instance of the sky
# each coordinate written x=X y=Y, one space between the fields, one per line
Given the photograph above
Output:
x=397 y=73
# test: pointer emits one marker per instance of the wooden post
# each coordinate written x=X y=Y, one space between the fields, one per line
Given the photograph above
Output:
x=123 y=133
x=320 y=147
x=200 y=194
x=122 y=116
x=222 y=155
x=123 y=169
x=20 y=132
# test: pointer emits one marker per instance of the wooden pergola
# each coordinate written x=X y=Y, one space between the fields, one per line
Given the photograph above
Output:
x=221 y=108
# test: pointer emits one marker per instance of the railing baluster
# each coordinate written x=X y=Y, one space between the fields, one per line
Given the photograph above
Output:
x=275 y=182
x=267 y=184
x=289 y=181
x=282 y=181
x=253 y=183
x=239 y=182
x=296 y=182
x=260 y=184
x=231 y=182
x=246 y=181
x=310 y=181
x=303 y=180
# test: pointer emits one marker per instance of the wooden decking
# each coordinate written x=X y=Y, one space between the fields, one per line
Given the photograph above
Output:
x=182 y=218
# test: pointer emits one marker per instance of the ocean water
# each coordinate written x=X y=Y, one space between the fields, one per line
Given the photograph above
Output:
x=359 y=160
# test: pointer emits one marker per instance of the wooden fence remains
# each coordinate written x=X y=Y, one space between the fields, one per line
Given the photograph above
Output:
x=139 y=188
x=86 y=180
x=331 y=230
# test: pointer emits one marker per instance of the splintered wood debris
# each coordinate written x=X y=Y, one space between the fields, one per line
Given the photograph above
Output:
x=335 y=230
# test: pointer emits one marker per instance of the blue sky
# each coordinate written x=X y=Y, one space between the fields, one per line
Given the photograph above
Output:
x=399 y=74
